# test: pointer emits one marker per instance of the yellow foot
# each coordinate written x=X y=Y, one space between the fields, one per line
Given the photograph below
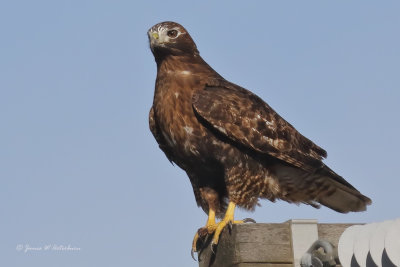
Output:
x=194 y=245
x=227 y=220
x=221 y=225
x=212 y=227
x=204 y=231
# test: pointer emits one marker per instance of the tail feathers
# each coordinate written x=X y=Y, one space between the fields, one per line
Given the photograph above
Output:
x=344 y=202
x=324 y=187
x=344 y=197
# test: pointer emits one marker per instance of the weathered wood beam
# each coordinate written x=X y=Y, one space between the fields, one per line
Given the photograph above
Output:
x=267 y=244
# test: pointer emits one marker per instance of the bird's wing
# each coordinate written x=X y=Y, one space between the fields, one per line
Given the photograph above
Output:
x=248 y=121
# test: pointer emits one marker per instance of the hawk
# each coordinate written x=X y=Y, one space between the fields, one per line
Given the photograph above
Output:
x=233 y=146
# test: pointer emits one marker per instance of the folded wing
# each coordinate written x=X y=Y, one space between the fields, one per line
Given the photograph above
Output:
x=246 y=119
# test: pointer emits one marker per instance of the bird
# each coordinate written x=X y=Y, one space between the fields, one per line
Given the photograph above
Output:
x=233 y=146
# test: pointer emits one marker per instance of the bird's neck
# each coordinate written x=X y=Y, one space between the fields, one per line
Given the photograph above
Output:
x=184 y=64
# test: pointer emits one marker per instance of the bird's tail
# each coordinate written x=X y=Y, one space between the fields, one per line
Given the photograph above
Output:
x=322 y=187
x=342 y=197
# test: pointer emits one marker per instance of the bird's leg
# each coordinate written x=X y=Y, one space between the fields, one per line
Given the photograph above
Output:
x=211 y=225
x=216 y=228
x=227 y=220
x=208 y=229
x=210 y=196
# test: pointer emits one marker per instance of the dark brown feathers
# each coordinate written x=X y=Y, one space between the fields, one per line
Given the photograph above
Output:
x=247 y=119
x=232 y=144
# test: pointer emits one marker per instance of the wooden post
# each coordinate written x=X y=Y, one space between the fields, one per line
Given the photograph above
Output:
x=267 y=244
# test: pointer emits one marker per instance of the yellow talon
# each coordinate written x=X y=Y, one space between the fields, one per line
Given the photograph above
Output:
x=226 y=220
x=194 y=245
x=216 y=228
x=208 y=229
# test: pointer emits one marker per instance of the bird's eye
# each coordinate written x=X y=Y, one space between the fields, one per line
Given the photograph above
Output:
x=172 y=33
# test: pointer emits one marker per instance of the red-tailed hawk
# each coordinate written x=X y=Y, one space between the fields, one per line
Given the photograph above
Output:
x=233 y=146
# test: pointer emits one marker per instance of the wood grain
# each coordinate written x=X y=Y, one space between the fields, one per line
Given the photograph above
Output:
x=260 y=245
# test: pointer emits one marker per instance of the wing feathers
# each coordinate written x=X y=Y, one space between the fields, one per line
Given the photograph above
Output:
x=246 y=119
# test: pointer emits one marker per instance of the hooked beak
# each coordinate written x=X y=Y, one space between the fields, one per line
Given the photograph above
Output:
x=155 y=35
x=154 y=38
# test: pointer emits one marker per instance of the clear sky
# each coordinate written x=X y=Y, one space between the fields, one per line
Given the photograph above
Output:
x=79 y=166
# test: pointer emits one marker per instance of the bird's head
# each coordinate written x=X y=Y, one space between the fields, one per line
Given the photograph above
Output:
x=170 y=38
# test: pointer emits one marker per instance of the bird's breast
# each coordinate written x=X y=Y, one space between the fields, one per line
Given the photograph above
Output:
x=178 y=124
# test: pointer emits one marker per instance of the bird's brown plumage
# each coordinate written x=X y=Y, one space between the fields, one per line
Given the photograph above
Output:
x=233 y=145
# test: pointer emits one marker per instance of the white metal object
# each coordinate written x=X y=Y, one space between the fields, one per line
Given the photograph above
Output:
x=346 y=245
x=392 y=242
x=377 y=242
x=304 y=234
x=361 y=243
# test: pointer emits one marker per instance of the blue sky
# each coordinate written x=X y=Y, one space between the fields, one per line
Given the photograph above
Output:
x=79 y=167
